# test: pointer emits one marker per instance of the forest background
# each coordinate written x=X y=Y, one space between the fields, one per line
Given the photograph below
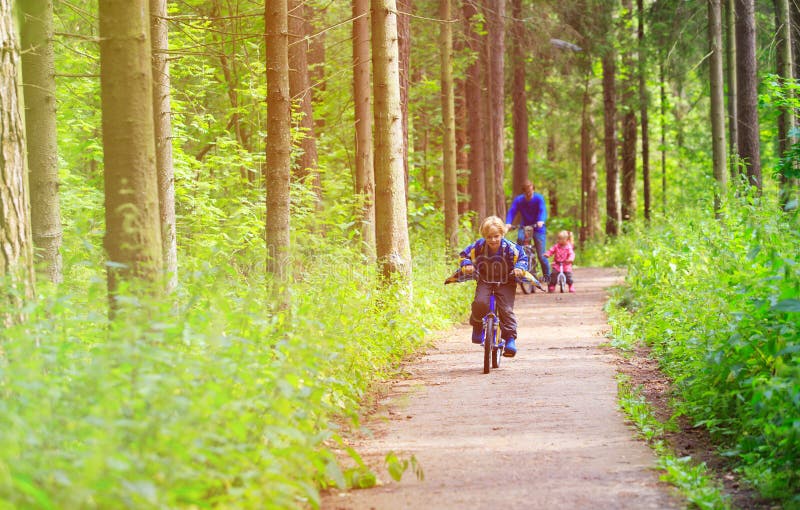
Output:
x=201 y=284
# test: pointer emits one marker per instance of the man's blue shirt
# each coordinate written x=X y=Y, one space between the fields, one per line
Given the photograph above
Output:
x=531 y=211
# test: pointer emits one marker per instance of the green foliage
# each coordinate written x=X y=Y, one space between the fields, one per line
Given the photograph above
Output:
x=717 y=300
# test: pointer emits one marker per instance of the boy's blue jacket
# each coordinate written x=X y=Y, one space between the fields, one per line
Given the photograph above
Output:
x=494 y=267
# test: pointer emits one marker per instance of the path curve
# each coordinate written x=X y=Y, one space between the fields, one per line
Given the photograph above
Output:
x=545 y=426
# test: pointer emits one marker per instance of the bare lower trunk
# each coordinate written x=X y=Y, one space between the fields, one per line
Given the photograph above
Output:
x=473 y=94
x=520 y=100
x=38 y=70
x=747 y=94
x=610 y=115
x=365 y=179
x=450 y=195
x=717 y=99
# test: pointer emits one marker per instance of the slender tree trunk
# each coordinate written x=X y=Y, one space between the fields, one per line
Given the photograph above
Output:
x=644 y=103
x=462 y=162
x=730 y=57
x=365 y=178
x=628 y=120
x=717 y=99
x=162 y=125
x=279 y=142
x=590 y=216
x=794 y=17
x=38 y=71
x=520 y=100
x=496 y=18
x=475 y=122
x=16 y=243
x=784 y=67
x=552 y=192
x=393 y=250
x=487 y=126
x=300 y=91
x=610 y=116
x=404 y=9
x=663 y=94
x=449 y=127
x=747 y=94
x=133 y=226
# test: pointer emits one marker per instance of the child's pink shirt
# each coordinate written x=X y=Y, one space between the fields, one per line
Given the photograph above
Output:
x=563 y=254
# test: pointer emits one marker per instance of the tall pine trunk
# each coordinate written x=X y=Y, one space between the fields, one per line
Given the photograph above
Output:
x=747 y=94
x=610 y=141
x=496 y=18
x=162 y=125
x=487 y=124
x=474 y=98
x=38 y=72
x=784 y=67
x=301 y=93
x=520 y=101
x=365 y=178
x=133 y=227
x=450 y=194
x=16 y=243
x=628 y=101
x=644 y=103
x=404 y=8
x=590 y=215
x=730 y=74
x=717 y=99
x=392 y=242
x=279 y=143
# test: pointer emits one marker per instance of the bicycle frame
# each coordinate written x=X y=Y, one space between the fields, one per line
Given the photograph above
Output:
x=561 y=279
x=493 y=345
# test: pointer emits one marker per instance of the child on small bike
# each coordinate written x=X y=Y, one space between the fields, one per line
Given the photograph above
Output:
x=495 y=259
x=562 y=252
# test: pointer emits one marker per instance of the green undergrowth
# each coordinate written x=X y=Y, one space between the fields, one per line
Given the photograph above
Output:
x=214 y=397
x=692 y=480
x=718 y=302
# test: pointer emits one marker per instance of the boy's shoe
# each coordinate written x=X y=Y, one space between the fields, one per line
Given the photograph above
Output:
x=477 y=335
x=572 y=288
x=510 y=348
x=551 y=289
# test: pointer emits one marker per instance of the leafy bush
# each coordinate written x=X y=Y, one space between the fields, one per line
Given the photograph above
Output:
x=719 y=302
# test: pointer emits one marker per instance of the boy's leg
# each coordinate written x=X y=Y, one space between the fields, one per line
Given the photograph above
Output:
x=508 y=320
x=480 y=307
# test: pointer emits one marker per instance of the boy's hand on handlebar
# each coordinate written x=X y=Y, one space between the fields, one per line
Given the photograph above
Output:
x=519 y=273
x=468 y=269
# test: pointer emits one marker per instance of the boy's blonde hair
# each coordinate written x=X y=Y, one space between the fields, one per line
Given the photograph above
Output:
x=565 y=235
x=493 y=221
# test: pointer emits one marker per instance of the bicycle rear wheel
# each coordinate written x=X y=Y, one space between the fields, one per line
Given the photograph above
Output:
x=488 y=340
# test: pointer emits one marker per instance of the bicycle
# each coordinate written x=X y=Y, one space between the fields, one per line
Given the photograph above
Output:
x=528 y=287
x=493 y=345
x=561 y=279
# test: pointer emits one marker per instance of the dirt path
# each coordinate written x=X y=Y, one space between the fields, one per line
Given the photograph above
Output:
x=544 y=427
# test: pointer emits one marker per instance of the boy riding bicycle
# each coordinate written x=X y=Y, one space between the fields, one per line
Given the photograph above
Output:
x=495 y=259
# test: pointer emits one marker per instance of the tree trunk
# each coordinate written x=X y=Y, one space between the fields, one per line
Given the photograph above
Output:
x=628 y=120
x=133 y=227
x=663 y=98
x=450 y=194
x=16 y=243
x=404 y=9
x=590 y=216
x=610 y=117
x=279 y=143
x=747 y=94
x=365 y=178
x=496 y=18
x=392 y=242
x=300 y=92
x=644 y=103
x=38 y=71
x=162 y=125
x=487 y=125
x=462 y=162
x=475 y=122
x=730 y=58
x=552 y=193
x=520 y=100
x=717 y=100
x=784 y=70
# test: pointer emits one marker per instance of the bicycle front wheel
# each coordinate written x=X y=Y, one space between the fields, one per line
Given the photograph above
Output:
x=527 y=287
x=488 y=341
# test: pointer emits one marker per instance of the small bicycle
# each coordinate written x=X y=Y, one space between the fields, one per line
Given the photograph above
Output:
x=530 y=252
x=561 y=279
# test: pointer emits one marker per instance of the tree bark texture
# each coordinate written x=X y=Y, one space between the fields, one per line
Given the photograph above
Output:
x=629 y=128
x=610 y=141
x=717 y=99
x=747 y=93
x=474 y=99
x=279 y=140
x=301 y=93
x=133 y=227
x=487 y=127
x=39 y=85
x=404 y=9
x=391 y=224
x=365 y=177
x=730 y=73
x=663 y=106
x=497 y=49
x=162 y=125
x=450 y=194
x=644 y=103
x=520 y=101
x=786 y=120
x=16 y=243
x=462 y=162
x=590 y=217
